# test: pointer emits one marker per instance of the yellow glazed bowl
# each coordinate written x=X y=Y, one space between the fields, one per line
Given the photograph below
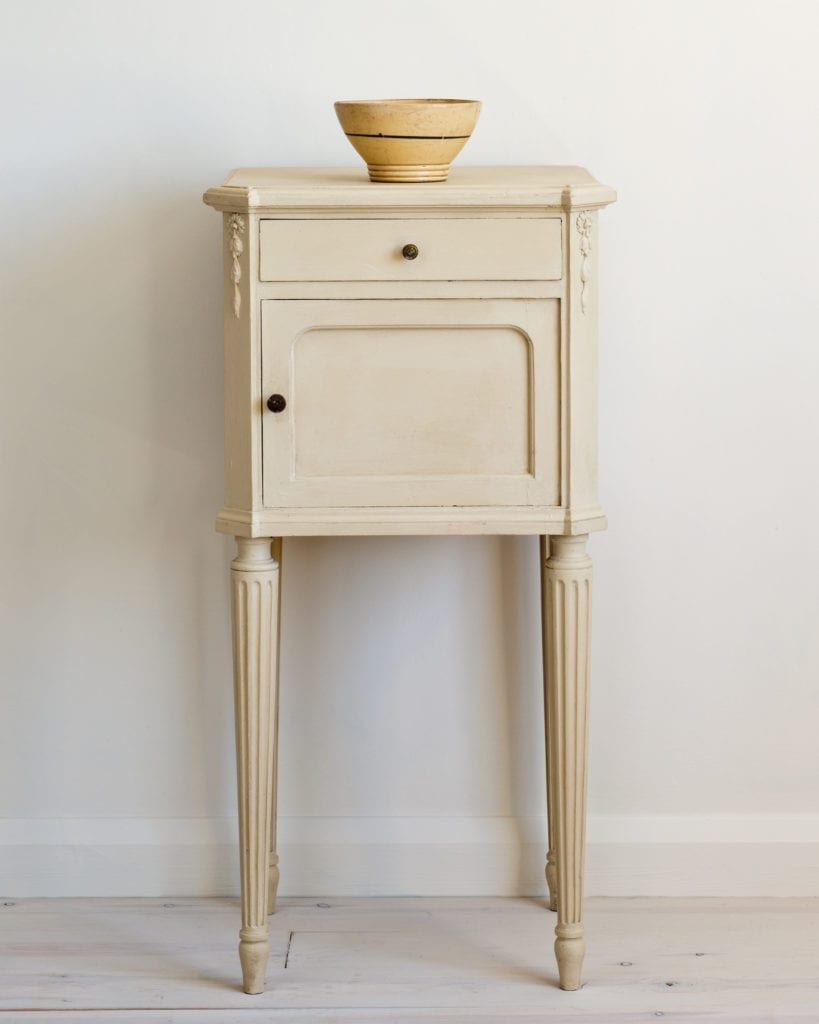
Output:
x=408 y=140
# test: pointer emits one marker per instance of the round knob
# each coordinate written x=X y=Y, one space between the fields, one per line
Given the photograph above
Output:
x=276 y=403
x=410 y=252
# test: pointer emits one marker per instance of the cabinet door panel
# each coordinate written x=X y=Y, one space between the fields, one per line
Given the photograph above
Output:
x=416 y=402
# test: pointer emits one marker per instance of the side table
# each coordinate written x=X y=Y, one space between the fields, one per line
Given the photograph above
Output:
x=410 y=359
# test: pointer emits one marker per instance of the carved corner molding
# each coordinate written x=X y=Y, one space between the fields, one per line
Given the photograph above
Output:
x=584 y=224
x=236 y=227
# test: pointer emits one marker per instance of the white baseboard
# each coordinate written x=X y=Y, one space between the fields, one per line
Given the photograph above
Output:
x=627 y=856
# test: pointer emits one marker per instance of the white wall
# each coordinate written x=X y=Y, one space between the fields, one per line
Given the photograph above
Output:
x=411 y=736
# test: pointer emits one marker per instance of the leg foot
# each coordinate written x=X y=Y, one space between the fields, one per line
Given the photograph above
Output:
x=254 y=948
x=570 y=948
x=272 y=883
x=551 y=879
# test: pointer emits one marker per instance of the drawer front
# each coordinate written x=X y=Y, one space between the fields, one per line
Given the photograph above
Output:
x=410 y=402
x=457 y=249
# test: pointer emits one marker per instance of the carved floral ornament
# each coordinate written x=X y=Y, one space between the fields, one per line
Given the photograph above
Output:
x=584 y=225
x=236 y=227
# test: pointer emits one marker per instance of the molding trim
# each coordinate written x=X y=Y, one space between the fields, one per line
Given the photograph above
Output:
x=301 y=200
x=584 y=224
x=771 y=829
x=236 y=226
x=418 y=521
x=726 y=856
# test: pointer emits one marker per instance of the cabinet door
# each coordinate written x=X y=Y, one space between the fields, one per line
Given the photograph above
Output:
x=416 y=402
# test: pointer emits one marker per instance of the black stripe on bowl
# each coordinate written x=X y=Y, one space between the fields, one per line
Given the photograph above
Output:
x=380 y=135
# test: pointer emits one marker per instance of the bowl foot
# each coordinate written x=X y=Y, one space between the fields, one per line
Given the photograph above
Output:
x=408 y=172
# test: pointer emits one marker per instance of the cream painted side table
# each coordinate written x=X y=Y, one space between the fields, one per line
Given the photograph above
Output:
x=410 y=359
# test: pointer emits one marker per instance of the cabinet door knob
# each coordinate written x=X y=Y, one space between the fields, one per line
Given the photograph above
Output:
x=276 y=403
x=410 y=251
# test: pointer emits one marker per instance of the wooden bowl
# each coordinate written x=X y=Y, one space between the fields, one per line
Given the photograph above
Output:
x=408 y=140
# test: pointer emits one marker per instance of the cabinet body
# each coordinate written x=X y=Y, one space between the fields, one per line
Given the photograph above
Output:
x=454 y=391
x=410 y=359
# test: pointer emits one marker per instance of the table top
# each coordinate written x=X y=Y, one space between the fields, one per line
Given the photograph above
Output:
x=254 y=189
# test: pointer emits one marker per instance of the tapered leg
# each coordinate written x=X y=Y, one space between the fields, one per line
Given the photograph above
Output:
x=273 y=869
x=567 y=607
x=255 y=600
x=551 y=868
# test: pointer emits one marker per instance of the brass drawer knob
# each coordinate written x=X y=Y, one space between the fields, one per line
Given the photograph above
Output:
x=410 y=252
x=276 y=403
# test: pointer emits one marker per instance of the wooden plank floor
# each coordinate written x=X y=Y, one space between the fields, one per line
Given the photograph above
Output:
x=448 y=961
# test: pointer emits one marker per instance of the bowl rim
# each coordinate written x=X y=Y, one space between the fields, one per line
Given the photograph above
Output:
x=428 y=101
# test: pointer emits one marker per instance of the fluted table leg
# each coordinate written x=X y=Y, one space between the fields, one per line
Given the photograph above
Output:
x=567 y=607
x=255 y=602
x=551 y=867
x=277 y=547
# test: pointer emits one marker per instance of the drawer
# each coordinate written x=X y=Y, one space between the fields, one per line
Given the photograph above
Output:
x=456 y=249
